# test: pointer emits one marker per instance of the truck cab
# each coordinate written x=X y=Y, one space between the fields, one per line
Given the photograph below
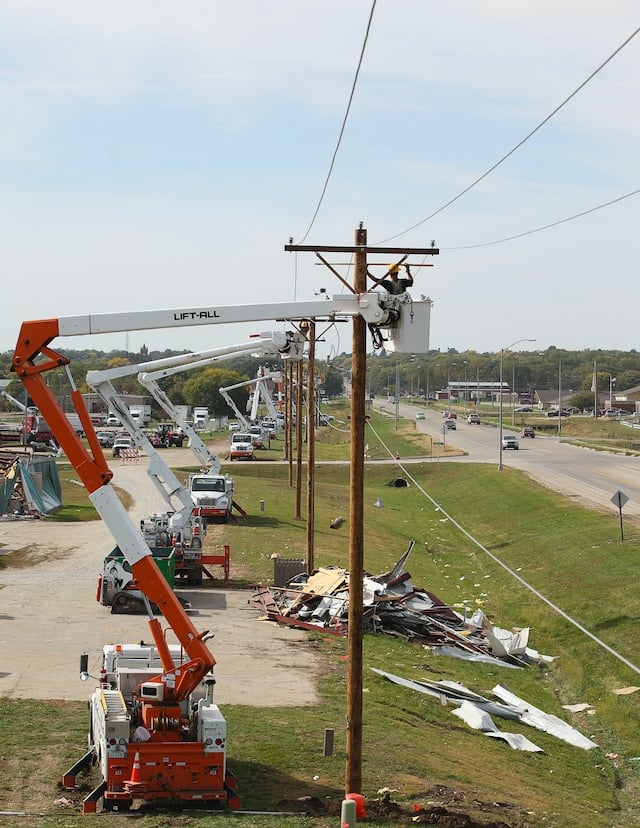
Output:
x=212 y=495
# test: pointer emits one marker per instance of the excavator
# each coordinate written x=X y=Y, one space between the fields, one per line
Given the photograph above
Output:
x=155 y=732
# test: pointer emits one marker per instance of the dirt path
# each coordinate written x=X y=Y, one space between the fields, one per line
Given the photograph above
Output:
x=49 y=615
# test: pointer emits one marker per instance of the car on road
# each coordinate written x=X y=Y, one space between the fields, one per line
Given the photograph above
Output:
x=473 y=419
x=121 y=443
x=450 y=424
x=105 y=438
x=420 y=415
x=528 y=431
x=555 y=412
x=510 y=441
x=524 y=409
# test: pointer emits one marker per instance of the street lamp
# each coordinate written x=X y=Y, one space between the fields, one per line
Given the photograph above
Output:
x=502 y=350
x=466 y=392
x=612 y=379
x=449 y=367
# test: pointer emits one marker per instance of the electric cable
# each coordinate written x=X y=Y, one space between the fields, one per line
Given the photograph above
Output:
x=344 y=123
x=518 y=145
x=501 y=563
x=545 y=226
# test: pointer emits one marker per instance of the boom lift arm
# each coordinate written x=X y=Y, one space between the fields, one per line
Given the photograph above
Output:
x=289 y=345
x=184 y=753
x=407 y=324
x=259 y=392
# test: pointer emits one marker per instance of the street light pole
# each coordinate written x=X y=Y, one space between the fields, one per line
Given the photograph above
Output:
x=502 y=350
x=466 y=390
x=449 y=367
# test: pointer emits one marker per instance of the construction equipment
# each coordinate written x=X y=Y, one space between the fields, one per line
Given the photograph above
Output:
x=155 y=731
x=179 y=526
x=260 y=392
x=211 y=491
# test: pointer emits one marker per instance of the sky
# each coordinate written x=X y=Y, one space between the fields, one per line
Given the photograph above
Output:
x=160 y=154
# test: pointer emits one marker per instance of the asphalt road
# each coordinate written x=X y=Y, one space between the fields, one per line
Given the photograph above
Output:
x=579 y=473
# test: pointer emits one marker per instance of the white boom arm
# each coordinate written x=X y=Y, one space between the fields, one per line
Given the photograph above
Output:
x=4 y=384
x=287 y=345
x=260 y=391
x=406 y=320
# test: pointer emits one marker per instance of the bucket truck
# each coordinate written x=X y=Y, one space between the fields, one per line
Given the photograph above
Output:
x=260 y=392
x=177 y=527
x=155 y=732
x=211 y=491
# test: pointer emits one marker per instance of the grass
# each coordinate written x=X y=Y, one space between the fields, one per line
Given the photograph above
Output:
x=410 y=742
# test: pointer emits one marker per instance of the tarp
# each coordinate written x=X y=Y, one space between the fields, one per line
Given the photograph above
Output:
x=34 y=481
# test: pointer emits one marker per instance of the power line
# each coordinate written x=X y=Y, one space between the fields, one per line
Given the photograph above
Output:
x=518 y=145
x=344 y=123
x=507 y=568
x=545 y=226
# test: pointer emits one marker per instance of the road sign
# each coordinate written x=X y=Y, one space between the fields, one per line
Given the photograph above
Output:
x=619 y=499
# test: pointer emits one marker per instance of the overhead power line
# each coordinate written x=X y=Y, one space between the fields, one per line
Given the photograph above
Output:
x=344 y=123
x=518 y=145
x=545 y=226
x=505 y=566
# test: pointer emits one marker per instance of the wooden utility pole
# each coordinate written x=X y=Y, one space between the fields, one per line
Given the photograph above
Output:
x=353 y=770
x=311 y=446
x=288 y=423
x=299 y=379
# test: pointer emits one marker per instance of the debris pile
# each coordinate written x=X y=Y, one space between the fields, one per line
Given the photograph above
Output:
x=392 y=605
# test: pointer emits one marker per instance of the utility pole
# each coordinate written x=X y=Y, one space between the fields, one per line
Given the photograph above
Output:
x=299 y=379
x=353 y=769
x=311 y=445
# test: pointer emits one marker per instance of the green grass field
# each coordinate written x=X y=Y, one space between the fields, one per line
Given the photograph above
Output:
x=412 y=744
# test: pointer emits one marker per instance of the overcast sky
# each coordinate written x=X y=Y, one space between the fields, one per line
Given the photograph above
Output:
x=159 y=154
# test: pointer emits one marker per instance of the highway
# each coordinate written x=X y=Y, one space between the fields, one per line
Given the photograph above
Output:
x=578 y=473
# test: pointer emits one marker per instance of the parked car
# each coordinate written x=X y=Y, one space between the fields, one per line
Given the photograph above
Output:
x=555 y=412
x=528 y=431
x=234 y=426
x=121 y=443
x=510 y=441
x=420 y=415
x=473 y=419
x=450 y=424
x=105 y=438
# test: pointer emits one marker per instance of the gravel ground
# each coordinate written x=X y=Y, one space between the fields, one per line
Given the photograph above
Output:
x=49 y=615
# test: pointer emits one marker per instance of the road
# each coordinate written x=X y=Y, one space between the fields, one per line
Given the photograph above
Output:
x=579 y=473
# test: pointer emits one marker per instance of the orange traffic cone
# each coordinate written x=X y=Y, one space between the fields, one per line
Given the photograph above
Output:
x=135 y=785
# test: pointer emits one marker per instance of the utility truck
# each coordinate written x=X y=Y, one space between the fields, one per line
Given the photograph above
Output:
x=200 y=416
x=210 y=490
x=157 y=734
x=141 y=414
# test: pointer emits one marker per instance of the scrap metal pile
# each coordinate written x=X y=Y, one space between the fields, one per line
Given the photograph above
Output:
x=392 y=605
